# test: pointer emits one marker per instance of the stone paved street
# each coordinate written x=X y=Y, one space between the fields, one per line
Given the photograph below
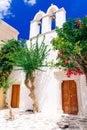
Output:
x=40 y=121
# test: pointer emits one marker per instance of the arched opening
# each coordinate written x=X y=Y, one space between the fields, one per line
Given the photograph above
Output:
x=38 y=17
x=40 y=26
x=52 y=13
x=52 y=9
x=53 y=24
x=69 y=97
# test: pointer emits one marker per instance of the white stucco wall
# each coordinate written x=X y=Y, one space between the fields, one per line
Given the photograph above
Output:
x=48 y=83
x=18 y=77
x=46 y=86
x=83 y=92
x=44 y=82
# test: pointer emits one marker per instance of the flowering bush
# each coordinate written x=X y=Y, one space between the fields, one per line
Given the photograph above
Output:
x=71 y=43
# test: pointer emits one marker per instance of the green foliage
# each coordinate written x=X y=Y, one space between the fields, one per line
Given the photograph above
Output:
x=71 y=43
x=30 y=59
x=5 y=63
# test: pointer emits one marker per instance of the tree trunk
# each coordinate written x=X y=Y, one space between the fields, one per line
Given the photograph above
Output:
x=11 y=114
x=86 y=78
x=30 y=85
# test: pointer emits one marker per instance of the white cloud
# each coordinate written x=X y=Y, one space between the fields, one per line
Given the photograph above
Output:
x=5 y=8
x=31 y=2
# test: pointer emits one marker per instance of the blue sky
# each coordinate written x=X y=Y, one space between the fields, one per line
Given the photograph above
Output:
x=19 y=13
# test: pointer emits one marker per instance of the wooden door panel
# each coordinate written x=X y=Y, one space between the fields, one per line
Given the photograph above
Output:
x=69 y=97
x=74 y=101
x=65 y=97
x=15 y=96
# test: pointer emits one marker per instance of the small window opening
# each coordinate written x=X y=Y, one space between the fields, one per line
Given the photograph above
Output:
x=40 y=26
x=53 y=18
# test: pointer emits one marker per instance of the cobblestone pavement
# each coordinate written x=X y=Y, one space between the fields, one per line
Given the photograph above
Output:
x=40 y=121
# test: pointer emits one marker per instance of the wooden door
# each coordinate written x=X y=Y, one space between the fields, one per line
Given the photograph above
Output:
x=15 y=96
x=69 y=97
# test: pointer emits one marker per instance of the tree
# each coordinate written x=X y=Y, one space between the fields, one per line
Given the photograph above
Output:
x=29 y=60
x=71 y=43
x=5 y=63
x=6 y=66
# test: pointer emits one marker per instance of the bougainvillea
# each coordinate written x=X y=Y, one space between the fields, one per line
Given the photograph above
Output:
x=71 y=43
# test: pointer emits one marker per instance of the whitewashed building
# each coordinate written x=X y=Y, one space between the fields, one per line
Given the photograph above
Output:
x=56 y=93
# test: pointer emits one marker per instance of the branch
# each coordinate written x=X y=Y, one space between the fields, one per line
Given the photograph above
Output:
x=78 y=62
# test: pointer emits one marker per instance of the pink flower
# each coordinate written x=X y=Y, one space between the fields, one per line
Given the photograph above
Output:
x=69 y=72
x=60 y=53
x=78 y=23
x=75 y=72
x=66 y=61
x=68 y=75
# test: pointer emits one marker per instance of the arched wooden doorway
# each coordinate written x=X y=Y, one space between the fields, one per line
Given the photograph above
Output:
x=15 y=99
x=69 y=97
